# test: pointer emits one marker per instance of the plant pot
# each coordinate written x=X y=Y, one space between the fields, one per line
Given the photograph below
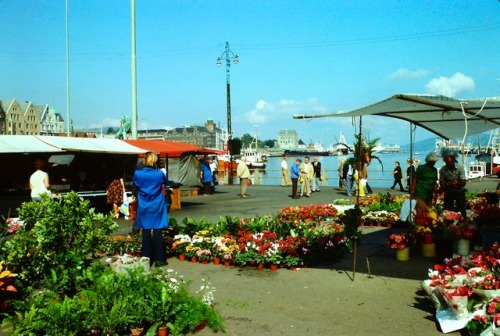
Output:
x=227 y=263
x=216 y=260
x=182 y=257
x=427 y=238
x=260 y=266
x=293 y=268
x=273 y=267
x=204 y=261
x=136 y=331
x=194 y=260
x=162 y=331
x=403 y=254
x=429 y=250
x=463 y=247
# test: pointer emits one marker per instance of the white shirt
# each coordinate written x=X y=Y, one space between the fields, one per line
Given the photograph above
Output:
x=284 y=164
x=37 y=181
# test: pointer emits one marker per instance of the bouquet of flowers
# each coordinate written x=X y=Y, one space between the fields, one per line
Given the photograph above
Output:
x=462 y=230
x=399 y=240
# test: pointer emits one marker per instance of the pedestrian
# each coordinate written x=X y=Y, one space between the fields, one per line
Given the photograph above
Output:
x=340 y=170
x=452 y=182
x=152 y=216
x=206 y=177
x=424 y=186
x=115 y=194
x=348 y=172
x=214 y=169
x=39 y=182
x=410 y=171
x=317 y=175
x=398 y=176
x=295 y=175
x=306 y=176
x=243 y=173
x=285 y=179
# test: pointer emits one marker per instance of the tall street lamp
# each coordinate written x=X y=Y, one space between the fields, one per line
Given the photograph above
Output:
x=229 y=55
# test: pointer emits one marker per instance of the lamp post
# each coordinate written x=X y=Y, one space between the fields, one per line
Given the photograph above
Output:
x=229 y=55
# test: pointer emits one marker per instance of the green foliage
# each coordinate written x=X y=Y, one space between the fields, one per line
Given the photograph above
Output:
x=60 y=239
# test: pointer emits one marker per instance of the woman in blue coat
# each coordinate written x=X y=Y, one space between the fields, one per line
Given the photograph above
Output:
x=152 y=209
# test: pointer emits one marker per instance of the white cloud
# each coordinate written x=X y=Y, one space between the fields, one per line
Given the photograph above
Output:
x=403 y=73
x=271 y=112
x=451 y=86
x=106 y=122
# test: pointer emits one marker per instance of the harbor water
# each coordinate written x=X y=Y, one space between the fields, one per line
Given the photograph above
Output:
x=379 y=173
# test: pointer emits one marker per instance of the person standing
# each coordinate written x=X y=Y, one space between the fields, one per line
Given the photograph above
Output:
x=398 y=176
x=424 y=185
x=152 y=214
x=410 y=171
x=295 y=175
x=243 y=173
x=285 y=179
x=206 y=178
x=306 y=176
x=39 y=181
x=452 y=182
x=340 y=170
x=114 y=195
x=348 y=172
x=316 y=175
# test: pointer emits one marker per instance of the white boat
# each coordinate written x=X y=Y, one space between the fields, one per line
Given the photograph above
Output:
x=387 y=149
x=477 y=169
x=256 y=158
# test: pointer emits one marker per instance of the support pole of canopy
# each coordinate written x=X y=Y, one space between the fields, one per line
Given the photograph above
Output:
x=358 y=182
x=134 y=72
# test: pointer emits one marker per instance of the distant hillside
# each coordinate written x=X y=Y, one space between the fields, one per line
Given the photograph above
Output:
x=428 y=145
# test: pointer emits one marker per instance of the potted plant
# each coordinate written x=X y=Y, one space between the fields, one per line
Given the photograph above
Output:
x=400 y=241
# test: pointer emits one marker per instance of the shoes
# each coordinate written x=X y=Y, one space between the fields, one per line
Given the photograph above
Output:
x=317 y=191
x=117 y=215
x=244 y=196
x=307 y=196
x=391 y=189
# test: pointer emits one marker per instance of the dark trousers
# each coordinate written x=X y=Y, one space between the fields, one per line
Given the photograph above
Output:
x=152 y=245
x=295 y=181
x=455 y=201
x=398 y=181
x=207 y=188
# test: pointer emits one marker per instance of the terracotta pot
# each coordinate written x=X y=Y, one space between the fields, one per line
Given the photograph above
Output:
x=293 y=268
x=227 y=263
x=260 y=266
x=273 y=267
x=216 y=260
x=162 y=331
x=182 y=257
x=136 y=332
x=204 y=261
x=193 y=259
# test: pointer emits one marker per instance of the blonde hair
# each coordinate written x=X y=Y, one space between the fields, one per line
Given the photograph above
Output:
x=150 y=159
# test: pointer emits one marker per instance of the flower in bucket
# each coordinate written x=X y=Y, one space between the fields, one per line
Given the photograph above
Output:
x=399 y=240
x=462 y=230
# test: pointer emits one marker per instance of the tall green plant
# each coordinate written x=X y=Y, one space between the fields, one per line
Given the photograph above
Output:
x=60 y=239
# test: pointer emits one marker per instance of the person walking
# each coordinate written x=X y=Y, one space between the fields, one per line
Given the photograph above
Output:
x=214 y=169
x=285 y=179
x=316 y=175
x=398 y=176
x=152 y=215
x=306 y=176
x=295 y=175
x=452 y=182
x=206 y=178
x=340 y=170
x=424 y=186
x=39 y=181
x=243 y=173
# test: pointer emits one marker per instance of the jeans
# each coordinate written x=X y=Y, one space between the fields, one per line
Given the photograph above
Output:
x=348 y=184
x=152 y=243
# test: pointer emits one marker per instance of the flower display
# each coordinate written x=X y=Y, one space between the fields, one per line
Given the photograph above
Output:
x=428 y=222
x=379 y=218
x=462 y=229
x=399 y=240
x=486 y=213
x=204 y=254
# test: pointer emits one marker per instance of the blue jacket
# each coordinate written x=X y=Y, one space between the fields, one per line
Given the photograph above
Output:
x=206 y=173
x=152 y=208
x=295 y=172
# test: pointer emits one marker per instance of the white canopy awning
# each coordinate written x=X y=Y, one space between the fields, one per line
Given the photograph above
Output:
x=444 y=116
x=25 y=144
x=97 y=145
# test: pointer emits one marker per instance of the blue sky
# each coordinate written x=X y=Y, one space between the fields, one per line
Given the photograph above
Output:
x=294 y=57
